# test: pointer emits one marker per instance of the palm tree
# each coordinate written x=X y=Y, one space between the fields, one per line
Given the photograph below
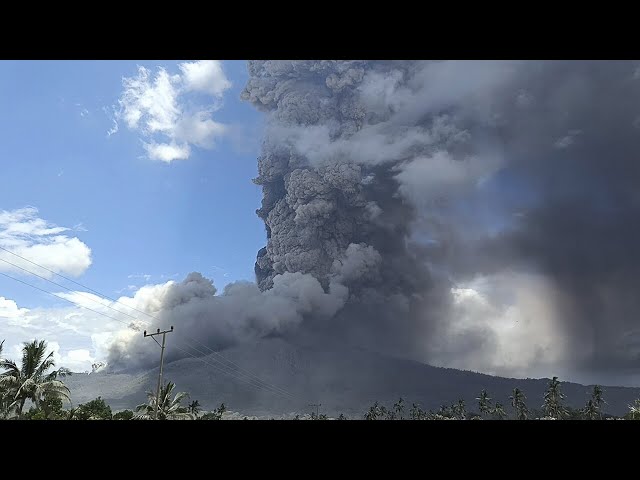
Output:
x=416 y=413
x=634 y=411
x=374 y=412
x=591 y=411
x=445 y=411
x=519 y=407
x=499 y=411
x=484 y=402
x=553 y=400
x=31 y=381
x=459 y=410
x=194 y=408
x=388 y=413
x=4 y=397
x=399 y=409
x=168 y=409
x=598 y=400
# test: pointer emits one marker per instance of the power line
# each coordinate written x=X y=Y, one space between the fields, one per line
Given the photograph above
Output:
x=248 y=381
x=50 y=271
x=62 y=298
x=238 y=368
x=217 y=354
x=63 y=286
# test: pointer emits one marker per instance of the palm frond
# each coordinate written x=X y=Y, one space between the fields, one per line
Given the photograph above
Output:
x=180 y=396
x=32 y=355
x=142 y=416
x=10 y=367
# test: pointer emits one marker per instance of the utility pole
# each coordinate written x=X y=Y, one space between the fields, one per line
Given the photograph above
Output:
x=317 y=406
x=161 y=360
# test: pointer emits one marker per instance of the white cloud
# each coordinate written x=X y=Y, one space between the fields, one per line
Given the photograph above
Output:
x=168 y=275
x=114 y=128
x=159 y=108
x=79 y=360
x=9 y=309
x=205 y=76
x=77 y=336
x=85 y=299
x=24 y=233
x=152 y=102
x=146 y=276
x=200 y=130
x=112 y=113
x=167 y=152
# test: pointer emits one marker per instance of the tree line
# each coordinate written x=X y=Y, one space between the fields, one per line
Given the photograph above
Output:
x=553 y=408
x=36 y=381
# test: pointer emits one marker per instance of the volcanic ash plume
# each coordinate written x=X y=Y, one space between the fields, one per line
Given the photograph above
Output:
x=340 y=137
x=414 y=206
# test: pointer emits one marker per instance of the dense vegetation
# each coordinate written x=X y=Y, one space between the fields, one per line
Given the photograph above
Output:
x=553 y=408
x=36 y=383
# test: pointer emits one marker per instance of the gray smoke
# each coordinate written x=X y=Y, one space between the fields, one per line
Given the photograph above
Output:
x=348 y=148
x=388 y=184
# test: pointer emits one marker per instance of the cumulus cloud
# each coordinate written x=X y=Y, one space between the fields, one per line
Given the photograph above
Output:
x=73 y=333
x=205 y=76
x=23 y=232
x=161 y=108
x=9 y=309
x=81 y=333
x=78 y=360
x=167 y=152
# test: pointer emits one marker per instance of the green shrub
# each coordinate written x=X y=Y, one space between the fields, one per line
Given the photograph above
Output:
x=94 y=410
x=123 y=415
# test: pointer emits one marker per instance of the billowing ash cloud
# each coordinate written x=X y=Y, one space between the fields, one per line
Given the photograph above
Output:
x=413 y=206
x=207 y=321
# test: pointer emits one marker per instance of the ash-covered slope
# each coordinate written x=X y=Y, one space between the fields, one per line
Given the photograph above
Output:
x=342 y=380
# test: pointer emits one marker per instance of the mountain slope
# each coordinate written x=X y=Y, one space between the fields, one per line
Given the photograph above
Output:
x=343 y=381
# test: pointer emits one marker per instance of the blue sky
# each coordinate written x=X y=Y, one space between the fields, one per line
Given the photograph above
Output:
x=167 y=192
x=142 y=216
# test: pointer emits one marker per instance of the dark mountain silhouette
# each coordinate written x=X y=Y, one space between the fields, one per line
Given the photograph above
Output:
x=343 y=380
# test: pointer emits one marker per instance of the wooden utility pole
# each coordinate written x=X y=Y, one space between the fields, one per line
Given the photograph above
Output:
x=161 y=361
